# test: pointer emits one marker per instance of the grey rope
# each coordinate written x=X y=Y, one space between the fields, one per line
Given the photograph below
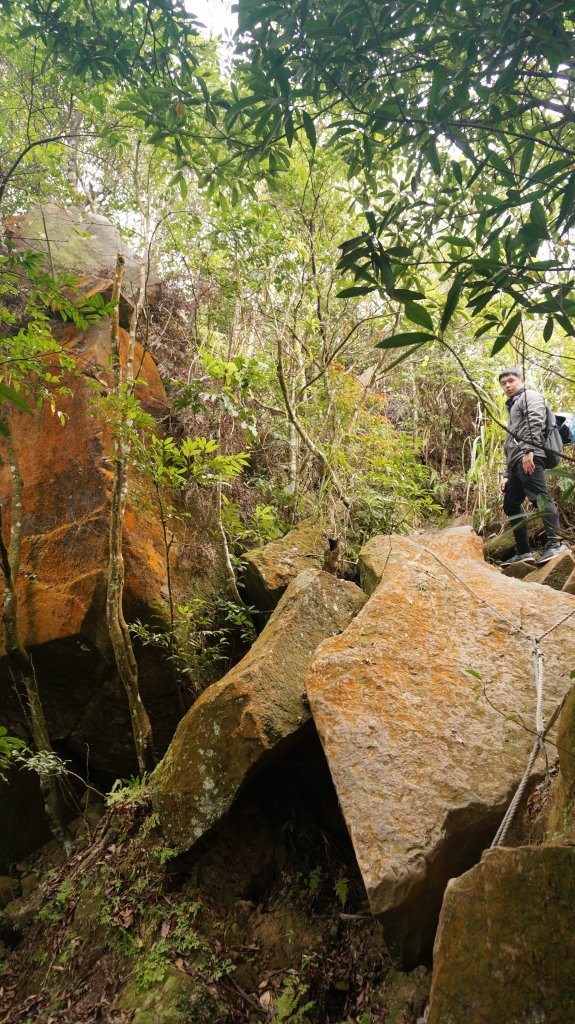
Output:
x=470 y=590
x=537 y=746
x=560 y=623
x=510 y=812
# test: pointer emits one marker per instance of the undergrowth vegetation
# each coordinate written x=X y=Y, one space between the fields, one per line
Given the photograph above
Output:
x=267 y=922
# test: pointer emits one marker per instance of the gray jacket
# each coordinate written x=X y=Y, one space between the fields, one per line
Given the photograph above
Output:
x=525 y=426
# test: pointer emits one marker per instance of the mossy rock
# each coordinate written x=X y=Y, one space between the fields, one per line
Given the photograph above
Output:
x=177 y=999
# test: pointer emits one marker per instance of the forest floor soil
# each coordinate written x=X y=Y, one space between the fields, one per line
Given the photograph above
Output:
x=266 y=920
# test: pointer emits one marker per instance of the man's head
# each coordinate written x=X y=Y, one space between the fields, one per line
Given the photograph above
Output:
x=512 y=380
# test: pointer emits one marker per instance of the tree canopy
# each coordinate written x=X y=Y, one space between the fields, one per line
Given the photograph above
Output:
x=458 y=124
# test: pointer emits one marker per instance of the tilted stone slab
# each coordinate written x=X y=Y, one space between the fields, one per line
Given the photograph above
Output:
x=519 y=570
x=375 y=555
x=250 y=713
x=554 y=573
x=269 y=569
x=505 y=950
x=423 y=763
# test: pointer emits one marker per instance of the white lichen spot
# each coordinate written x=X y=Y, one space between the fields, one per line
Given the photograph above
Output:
x=209 y=784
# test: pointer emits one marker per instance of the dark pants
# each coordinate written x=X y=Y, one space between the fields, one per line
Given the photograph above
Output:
x=533 y=486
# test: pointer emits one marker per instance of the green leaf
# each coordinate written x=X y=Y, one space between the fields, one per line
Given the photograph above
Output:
x=407 y=338
x=400 y=251
x=289 y=129
x=457 y=241
x=567 y=200
x=548 y=329
x=506 y=334
x=404 y=355
x=537 y=215
x=405 y=294
x=484 y=329
x=358 y=289
x=566 y=324
x=15 y=398
x=496 y=161
x=472 y=672
x=418 y=315
x=370 y=218
x=526 y=157
x=433 y=156
x=451 y=303
x=309 y=128
x=456 y=168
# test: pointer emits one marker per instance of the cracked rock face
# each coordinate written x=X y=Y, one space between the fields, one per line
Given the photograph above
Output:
x=250 y=714
x=424 y=755
x=504 y=948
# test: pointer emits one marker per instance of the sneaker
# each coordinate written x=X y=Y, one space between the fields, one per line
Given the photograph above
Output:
x=551 y=550
x=527 y=556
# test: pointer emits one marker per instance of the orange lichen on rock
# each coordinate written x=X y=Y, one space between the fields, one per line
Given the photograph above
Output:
x=425 y=707
x=66 y=472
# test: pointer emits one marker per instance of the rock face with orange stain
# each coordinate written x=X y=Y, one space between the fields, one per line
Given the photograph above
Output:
x=67 y=474
x=246 y=719
x=425 y=706
x=504 y=948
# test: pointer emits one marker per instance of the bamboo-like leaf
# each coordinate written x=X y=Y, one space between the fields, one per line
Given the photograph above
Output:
x=356 y=289
x=526 y=157
x=418 y=315
x=451 y=303
x=506 y=334
x=404 y=355
x=309 y=128
x=14 y=397
x=567 y=200
x=407 y=338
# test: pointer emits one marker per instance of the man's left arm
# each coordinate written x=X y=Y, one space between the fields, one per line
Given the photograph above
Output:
x=535 y=410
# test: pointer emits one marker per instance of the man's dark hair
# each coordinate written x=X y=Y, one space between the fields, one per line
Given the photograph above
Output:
x=511 y=371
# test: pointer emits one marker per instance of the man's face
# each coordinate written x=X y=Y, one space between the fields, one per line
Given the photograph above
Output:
x=511 y=384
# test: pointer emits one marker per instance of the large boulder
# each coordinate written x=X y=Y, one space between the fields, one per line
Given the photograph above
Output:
x=67 y=474
x=504 y=950
x=424 y=755
x=270 y=568
x=82 y=244
x=252 y=713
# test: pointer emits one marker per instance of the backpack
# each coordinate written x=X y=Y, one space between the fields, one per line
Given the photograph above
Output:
x=552 y=440
x=566 y=425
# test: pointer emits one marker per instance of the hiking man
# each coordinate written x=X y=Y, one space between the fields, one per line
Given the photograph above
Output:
x=524 y=476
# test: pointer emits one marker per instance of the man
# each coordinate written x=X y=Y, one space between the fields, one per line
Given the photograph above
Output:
x=524 y=476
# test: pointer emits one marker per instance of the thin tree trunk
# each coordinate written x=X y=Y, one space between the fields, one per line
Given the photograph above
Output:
x=312 y=447
x=117 y=626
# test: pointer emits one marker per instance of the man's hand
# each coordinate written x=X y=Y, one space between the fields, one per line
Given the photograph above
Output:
x=528 y=463
x=503 y=483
